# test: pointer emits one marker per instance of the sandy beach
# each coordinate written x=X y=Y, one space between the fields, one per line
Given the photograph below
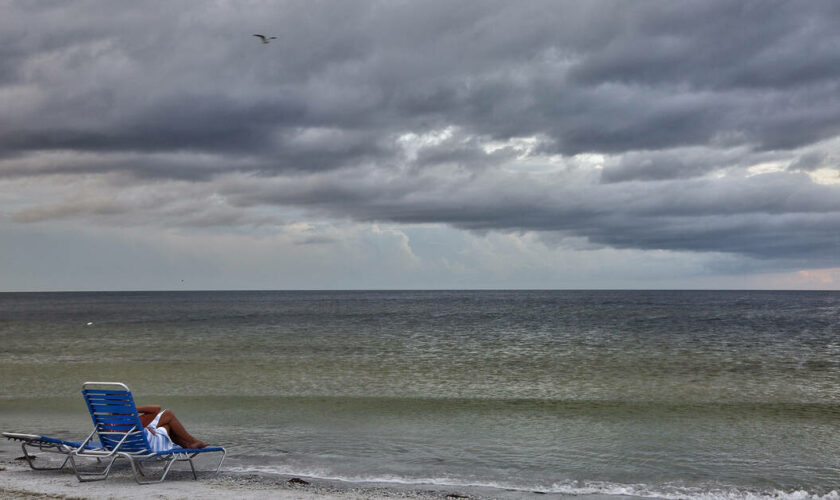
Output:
x=17 y=480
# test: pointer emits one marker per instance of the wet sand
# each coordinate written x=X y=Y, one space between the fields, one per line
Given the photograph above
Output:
x=17 y=480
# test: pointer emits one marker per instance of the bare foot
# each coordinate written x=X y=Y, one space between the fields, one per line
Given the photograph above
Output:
x=195 y=445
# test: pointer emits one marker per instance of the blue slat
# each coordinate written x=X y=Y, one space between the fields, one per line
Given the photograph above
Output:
x=109 y=427
x=117 y=419
x=113 y=408
x=115 y=411
x=111 y=439
x=105 y=394
x=111 y=401
x=98 y=397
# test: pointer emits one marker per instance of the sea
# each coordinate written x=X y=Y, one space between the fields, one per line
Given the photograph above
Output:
x=525 y=394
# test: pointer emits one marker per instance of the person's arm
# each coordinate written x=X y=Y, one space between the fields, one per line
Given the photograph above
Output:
x=147 y=414
x=153 y=409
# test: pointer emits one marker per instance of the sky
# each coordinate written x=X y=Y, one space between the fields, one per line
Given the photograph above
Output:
x=419 y=145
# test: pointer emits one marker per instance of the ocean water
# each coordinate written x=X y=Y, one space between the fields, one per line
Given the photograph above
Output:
x=653 y=394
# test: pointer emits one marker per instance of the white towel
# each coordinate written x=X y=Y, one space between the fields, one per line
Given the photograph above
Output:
x=158 y=437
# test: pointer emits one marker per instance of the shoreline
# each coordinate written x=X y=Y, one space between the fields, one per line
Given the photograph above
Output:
x=17 y=480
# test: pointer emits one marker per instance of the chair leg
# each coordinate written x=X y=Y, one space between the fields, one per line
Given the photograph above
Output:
x=91 y=476
x=166 y=470
x=66 y=459
x=135 y=464
x=137 y=468
x=29 y=459
x=192 y=466
x=219 y=467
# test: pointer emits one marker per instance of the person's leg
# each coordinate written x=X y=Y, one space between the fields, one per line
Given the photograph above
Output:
x=177 y=432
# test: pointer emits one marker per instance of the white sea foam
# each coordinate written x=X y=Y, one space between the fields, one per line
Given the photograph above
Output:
x=671 y=492
x=576 y=488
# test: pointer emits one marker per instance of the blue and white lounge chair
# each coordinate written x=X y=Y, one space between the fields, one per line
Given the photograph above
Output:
x=47 y=444
x=117 y=425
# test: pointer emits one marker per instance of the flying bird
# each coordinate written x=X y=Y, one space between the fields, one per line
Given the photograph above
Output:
x=264 y=38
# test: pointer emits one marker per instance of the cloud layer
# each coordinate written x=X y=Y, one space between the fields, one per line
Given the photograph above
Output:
x=705 y=126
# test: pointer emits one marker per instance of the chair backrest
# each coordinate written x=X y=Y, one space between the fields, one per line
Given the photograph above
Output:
x=114 y=414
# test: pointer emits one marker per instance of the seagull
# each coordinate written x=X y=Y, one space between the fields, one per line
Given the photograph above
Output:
x=264 y=38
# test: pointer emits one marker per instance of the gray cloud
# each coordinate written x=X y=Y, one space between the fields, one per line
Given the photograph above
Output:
x=810 y=161
x=768 y=216
x=342 y=115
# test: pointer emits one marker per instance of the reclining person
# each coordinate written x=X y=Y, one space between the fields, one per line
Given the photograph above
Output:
x=162 y=428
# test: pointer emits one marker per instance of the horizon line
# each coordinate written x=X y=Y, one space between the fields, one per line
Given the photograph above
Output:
x=286 y=290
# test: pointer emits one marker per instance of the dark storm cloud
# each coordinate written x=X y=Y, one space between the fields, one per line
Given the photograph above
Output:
x=646 y=76
x=343 y=113
x=770 y=216
x=658 y=165
x=685 y=163
x=720 y=45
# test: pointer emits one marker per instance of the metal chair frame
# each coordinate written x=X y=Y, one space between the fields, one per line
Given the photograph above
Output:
x=45 y=444
x=113 y=409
